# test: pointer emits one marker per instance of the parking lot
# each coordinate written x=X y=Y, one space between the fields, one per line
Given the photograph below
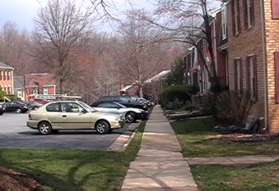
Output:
x=15 y=134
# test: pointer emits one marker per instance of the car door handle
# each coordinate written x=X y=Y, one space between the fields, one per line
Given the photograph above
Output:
x=64 y=116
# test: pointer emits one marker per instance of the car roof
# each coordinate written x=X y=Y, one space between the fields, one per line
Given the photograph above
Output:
x=64 y=101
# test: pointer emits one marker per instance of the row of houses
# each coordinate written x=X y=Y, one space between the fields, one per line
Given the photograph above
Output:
x=27 y=87
x=245 y=37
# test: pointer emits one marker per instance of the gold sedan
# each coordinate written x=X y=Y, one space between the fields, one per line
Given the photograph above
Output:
x=73 y=115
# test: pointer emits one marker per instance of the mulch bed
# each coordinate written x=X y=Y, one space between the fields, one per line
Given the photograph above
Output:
x=15 y=181
x=245 y=138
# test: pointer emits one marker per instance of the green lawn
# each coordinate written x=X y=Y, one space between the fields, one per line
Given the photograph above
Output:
x=264 y=177
x=195 y=137
x=74 y=170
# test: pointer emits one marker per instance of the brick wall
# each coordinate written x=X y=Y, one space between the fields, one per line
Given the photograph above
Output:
x=7 y=84
x=272 y=45
x=247 y=43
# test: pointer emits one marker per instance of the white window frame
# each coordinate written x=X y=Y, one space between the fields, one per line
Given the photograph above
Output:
x=224 y=23
x=45 y=91
x=236 y=13
x=249 y=19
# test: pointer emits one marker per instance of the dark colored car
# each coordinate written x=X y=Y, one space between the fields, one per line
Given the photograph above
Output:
x=2 y=109
x=131 y=114
x=126 y=101
x=16 y=106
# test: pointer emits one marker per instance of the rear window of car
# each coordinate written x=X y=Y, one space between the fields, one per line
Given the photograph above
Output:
x=55 y=107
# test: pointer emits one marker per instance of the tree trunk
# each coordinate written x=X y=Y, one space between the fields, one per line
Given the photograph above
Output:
x=61 y=83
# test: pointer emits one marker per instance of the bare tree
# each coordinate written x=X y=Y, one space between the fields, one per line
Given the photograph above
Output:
x=189 y=21
x=59 y=30
x=142 y=56
x=14 y=47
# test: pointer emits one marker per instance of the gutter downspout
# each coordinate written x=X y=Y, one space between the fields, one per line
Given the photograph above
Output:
x=265 y=65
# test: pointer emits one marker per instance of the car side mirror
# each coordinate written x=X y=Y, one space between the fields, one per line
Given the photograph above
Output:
x=84 y=111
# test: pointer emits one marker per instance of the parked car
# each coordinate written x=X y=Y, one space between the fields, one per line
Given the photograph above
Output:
x=70 y=115
x=126 y=101
x=16 y=106
x=131 y=114
x=34 y=105
x=2 y=108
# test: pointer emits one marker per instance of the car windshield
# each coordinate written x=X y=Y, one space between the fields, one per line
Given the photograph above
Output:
x=87 y=107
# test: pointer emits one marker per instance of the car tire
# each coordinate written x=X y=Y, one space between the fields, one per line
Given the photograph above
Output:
x=45 y=128
x=103 y=127
x=130 y=117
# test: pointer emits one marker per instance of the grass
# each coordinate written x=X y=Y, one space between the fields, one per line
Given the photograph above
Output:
x=263 y=177
x=74 y=170
x=193 y=136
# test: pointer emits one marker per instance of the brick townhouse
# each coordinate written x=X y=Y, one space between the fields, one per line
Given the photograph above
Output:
x=6 y=78
x=34 y=85
x=246 y=37
x=253 y=30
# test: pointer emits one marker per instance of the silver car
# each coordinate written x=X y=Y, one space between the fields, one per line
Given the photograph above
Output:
x=73 y=115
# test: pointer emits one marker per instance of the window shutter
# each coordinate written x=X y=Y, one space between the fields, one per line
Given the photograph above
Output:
x=275 y=9
x=276 y=60
x=241 y=76
x=245 y=9
x=248 y=75
x=233 y=17
x=252 y=12
x=235 y=76
x=238 y=15
x=255 y=80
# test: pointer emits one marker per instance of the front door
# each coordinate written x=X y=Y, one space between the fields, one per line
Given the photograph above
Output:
x=75 y=117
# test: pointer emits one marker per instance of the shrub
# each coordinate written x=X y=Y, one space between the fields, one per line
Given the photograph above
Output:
x=2 y=94
x=233 y=108
x=174 y=97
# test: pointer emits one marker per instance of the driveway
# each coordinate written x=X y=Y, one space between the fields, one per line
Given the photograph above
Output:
x=15 y=134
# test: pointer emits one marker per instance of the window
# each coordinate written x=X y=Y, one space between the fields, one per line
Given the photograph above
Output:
x=249 y=13
x=1 y=78
x=4 y=75
x=224 y=23
x=55 y=107
x=275 y=9
x=45 y=91
x=236 y=17
x=35 y=91
x=71 y=108
x=108 y=105
x=19 y=94
x=251 y=76
x=238 y=75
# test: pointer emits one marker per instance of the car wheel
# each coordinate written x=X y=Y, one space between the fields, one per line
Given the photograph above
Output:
x=103 y=127
x=45 y=128
x=130 y=117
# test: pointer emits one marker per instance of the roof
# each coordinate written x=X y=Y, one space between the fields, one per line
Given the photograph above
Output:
x=42 y=79
x=158 y=77
x=19 y=82
x=5 y=66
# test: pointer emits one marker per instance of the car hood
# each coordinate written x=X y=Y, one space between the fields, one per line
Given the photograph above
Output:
x=136 y=110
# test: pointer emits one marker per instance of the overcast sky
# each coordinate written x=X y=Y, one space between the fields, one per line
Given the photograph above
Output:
x=22 y=12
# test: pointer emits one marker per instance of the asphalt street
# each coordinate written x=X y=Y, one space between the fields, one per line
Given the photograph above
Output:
x=15 y=134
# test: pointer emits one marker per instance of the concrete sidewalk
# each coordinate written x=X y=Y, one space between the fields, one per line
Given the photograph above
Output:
x=159 y=164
